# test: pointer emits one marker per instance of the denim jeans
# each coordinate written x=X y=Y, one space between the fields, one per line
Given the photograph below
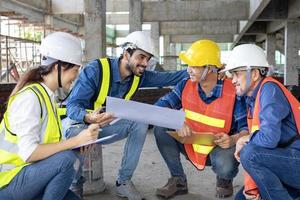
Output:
x=222 y=160
x=135 y=134
x=47 y=179
x=295 y=194
x=275 y=171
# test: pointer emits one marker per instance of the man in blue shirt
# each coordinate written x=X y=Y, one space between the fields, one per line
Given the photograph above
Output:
x=206 y=102
x=271 y=153
x=119 y=77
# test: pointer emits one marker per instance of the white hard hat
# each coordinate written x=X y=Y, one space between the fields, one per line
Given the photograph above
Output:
x=246 y=55
x=62 y=46
x=140 y=40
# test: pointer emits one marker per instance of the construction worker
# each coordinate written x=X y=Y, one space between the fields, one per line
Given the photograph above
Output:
x=34 y=162
x=119 y=77
x=271 y=153
x=210 y=106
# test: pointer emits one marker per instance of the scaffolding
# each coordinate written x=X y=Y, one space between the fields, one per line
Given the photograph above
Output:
x=19 y=44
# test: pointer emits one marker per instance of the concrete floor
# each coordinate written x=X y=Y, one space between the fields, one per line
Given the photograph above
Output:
x=152 y=173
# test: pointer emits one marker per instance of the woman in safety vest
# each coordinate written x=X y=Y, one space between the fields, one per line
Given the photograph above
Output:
x=34 y=162
x=271 y=154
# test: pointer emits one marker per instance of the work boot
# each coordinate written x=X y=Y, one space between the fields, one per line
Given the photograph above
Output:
x=175 y=186
x=224 y=188
x=127 y=189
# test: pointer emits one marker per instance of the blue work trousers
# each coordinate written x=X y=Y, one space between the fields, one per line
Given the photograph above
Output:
x=134 y=132
x=275 y=171
x=222 y=160
x=47 y=179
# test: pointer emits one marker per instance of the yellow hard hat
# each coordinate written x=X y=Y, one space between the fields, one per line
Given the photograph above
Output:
x=202 y=53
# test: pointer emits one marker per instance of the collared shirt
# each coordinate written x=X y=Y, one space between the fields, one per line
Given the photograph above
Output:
x=28 y=126
x=173 y=100
x=86 y=87
x=277 y=124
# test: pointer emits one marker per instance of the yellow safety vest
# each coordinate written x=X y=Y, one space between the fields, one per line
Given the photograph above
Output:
x=105 y=87
x=10 y=162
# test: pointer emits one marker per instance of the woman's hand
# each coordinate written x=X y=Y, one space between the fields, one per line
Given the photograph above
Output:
x=88 y=135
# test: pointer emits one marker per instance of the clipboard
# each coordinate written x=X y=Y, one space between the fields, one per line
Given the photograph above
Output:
x=203 y=138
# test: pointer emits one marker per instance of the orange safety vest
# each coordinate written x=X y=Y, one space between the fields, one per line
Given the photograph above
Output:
x=254 y=124
x=215 y=117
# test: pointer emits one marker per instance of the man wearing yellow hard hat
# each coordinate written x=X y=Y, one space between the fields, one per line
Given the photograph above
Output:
x=211 y=107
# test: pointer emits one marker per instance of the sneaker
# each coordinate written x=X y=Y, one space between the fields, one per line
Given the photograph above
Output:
x=127 y=189
x=77 y=187
x=224 y=188
x=175 y=186
x=78 y=192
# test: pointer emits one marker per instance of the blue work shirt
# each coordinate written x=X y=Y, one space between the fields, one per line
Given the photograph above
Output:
x=239 y=118
x=277 y=124
x=86 y=88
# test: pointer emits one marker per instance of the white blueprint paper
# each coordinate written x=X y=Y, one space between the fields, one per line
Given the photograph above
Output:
x=145 y=113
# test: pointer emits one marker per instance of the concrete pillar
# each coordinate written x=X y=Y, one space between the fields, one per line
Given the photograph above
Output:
x=0 y=52
x=170 y=63
x=95 y=46
x=48 y=19
x=291 y=48
x=135 y=15
x=94 y=29
x=155 y=37
x=271 y=48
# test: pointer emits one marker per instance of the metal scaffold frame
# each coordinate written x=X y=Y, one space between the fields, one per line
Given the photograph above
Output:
x=18 y=47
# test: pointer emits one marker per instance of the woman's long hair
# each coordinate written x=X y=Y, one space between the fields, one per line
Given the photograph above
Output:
x=35 y=75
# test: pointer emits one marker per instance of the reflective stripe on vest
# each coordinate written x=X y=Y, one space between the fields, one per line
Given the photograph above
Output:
x=254 y=124
x=104 y=87
x=201 y=117
x=211 y=121
x=106 y=82
x=10 y=162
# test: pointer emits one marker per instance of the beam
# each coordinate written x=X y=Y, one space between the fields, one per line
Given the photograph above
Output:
x=198 y=27
x=248 y=39
x=35 y=15
x=61 y=23
x=194 y=10
x=261 y=38
x=31 y=13
x=274 y=26
x=275 y=10
x=117 y=6
x=113 y=18
x=255 y=9
x=222 y=38
x=256 y=28
x=67 y=6
x=294 y=9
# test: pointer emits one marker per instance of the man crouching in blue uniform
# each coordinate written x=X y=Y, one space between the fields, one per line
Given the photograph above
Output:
x=120 y=77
